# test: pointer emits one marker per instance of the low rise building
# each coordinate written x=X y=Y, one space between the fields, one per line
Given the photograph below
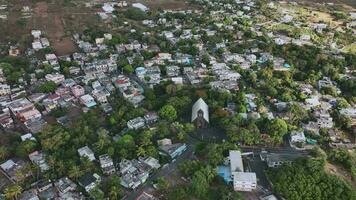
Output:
x=89 y=181
x=87 y=100
x=38 y=158
x=173 y=150
x=86 y=152
x=136 y=123
x=106 y=164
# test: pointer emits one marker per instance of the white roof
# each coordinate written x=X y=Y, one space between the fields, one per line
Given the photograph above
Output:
x=236 y=161
x=200 y=105
x=140 y=6
x=7 y=165
x=245 y=176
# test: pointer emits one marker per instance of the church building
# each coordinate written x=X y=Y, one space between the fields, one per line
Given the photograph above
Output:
x=200 y=114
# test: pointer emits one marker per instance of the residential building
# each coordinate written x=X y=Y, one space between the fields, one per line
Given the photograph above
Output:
x=106 y=164
x=86 y=152
x=5 y=89
x=173 y=150
x=13 y=167
x=297 y=137
x=136 y=123
x=277 y=159
x=57 y=78
x=89 y=181
x=38 y=158
x=24 y=110
x=241 y=181
x=77 y=90
x=87 y=100
x=28 y=195
x=6 y=120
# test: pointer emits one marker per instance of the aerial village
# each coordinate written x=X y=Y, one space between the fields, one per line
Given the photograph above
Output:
x=212 y=101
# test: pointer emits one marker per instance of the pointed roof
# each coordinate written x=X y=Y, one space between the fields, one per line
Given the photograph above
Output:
x=200 y=105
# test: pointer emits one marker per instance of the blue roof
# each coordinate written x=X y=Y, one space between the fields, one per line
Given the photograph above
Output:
x=286 y=65
x=225 y=173
x=140 y=69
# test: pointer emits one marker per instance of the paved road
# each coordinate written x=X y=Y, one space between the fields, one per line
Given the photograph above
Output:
x=165 y=171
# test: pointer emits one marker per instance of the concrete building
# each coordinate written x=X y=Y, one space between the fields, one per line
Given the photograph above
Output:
x=86 y=152
x=106 y=164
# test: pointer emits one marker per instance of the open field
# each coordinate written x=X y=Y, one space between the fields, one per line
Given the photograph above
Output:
x=351 y=3
x=59 y=22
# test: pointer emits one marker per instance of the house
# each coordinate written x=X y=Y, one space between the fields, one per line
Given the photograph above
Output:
x=173 y=150
x=101 y=95
x=277 y=159
x=140 y=6
x=200 y=114
x=164 y=141
x=133 y=173
x=28 y=195
x=244 y=181
x=89 y=181
x=27 y=136
x=349 y=112
x=24 y=110
x=150 y=161
x=268 y=197
x=38 y=158
x=14 y=168
x=86 y=152
x=45 y=189
x=77 y=90
x=234 y=173
x=6 y=120
x=65 y=185
x=106 y=164
x=5 y=89
x=151 y=118
x=88 y=101
x=56 y=78
x=68 y=83
x=136 y=123
x=297 y=137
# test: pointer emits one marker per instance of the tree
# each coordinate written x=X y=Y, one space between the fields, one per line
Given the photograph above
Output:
x=75 y=172
x=3 y=152
x=277 y=129
x=296 y=114
x=12 y=191
x=306 y=179
x=162 y=183
x=200 y=185
x=97 y=194
x=128 y=69
x=135 y=14
x=168 y=112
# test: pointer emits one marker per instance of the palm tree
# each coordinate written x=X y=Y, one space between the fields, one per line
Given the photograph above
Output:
x=13 y=191
x=3 y=152
x=75 y=172
x=115 y=193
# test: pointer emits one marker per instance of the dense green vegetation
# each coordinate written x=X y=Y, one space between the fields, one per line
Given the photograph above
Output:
x=306 y=179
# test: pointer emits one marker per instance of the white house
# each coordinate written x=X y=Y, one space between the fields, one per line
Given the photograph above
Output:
x=86 y=152
x=242 y=181
x=297 y=137
x=140 y=6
